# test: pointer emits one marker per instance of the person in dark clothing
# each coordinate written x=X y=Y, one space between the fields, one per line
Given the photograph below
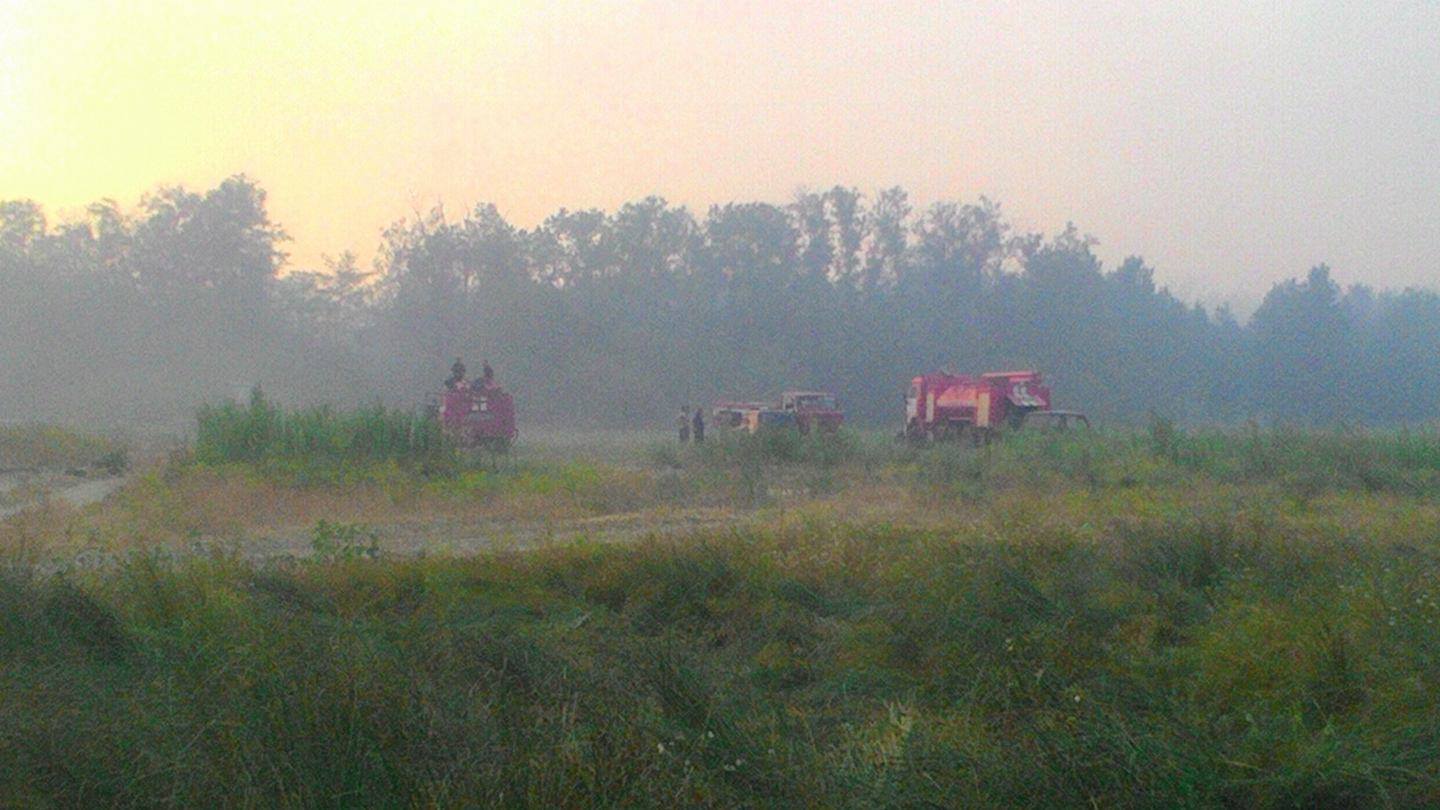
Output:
x=683 y=423
x=457 y=375
x=698 y=426
x=487 y=374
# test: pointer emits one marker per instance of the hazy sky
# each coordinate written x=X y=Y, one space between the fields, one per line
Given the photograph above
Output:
x=1231 y=144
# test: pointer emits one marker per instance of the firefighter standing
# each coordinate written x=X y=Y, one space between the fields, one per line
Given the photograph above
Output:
x=683 y=423
x=698 y=426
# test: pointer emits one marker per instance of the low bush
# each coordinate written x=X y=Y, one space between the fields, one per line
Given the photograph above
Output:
x=39 y=446
x=1302 y=463
x=317 y=439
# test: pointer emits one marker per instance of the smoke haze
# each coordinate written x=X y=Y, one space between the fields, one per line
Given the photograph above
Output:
x=1234 y=145
x=638 y=206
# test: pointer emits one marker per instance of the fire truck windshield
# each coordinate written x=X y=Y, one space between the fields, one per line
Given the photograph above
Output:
x=815 y=402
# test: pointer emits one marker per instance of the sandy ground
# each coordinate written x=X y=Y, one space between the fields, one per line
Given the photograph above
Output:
x=282 y=547
x=417 y=538
x=449 y=537
x=22 y=488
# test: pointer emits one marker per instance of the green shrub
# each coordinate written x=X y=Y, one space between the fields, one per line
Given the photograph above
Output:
x=343 y=541
x=779 y=446
x=1304 y=464
x=49 y=446
x=316 y=439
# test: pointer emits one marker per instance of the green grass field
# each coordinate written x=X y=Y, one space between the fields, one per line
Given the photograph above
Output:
x=1156 y=618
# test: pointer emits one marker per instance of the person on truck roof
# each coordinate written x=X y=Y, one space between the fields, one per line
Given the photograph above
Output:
x=457 y=375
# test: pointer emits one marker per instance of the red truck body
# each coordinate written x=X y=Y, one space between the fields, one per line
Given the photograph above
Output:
x=949 y=406
x=478 y=416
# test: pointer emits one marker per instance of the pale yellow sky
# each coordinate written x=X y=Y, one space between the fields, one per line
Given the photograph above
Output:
x=1232 y=143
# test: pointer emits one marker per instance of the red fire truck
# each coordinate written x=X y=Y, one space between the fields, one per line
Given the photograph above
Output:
x=478 y=415
x=945 y=406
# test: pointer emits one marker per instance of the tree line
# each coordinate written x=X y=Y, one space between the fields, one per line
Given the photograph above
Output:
x=618 y=318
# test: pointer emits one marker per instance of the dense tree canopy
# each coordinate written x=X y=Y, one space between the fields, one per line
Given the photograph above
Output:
x=595 y=318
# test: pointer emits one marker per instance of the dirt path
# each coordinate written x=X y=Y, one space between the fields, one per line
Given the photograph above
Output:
x=470 y=537
x=289 y=544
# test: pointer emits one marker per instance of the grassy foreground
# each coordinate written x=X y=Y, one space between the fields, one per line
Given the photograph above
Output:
x=1148 y=620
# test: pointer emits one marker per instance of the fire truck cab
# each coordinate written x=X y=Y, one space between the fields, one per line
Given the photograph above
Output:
x=802 y=411
x=817 y=410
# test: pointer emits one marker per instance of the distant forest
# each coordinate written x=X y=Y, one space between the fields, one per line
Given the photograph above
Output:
x=133 y=318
